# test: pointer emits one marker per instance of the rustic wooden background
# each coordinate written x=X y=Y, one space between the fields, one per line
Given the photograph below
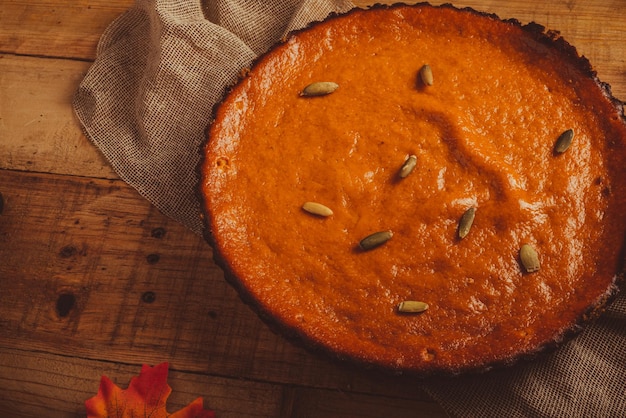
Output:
x=94 y=280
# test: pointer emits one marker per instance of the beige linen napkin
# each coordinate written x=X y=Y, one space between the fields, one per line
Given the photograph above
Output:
x=145 y=104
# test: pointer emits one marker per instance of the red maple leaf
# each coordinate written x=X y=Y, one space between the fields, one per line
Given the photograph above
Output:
x=145 y=397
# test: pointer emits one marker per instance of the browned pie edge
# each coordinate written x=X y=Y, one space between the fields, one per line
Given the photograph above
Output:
x=550 y=38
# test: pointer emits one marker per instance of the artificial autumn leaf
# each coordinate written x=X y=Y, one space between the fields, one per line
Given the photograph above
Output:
x=145 y=397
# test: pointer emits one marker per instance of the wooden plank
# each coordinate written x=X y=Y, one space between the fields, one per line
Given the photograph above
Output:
x=38 y=384
x=38 y=129
x=98 y=271
x=315 y=403
x=56 y=28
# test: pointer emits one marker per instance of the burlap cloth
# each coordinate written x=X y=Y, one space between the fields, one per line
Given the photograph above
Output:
x=145 y=103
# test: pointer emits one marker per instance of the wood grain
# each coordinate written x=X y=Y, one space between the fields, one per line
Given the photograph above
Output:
x=37 y=124
x=56 y=386
x=56 y=28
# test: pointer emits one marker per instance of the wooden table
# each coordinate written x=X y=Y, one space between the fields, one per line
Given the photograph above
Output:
x=94 y=280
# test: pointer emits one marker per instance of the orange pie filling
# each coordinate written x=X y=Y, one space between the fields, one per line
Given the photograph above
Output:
x=398 y=151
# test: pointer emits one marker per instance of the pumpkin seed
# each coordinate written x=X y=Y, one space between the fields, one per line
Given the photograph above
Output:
x=319 y=88
x=412 y=306
x=376 y=239
x=564 y=141
x=466 y=222
x=408 y=166
x=529 y=258
x=426 y=74
x=318 y=209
